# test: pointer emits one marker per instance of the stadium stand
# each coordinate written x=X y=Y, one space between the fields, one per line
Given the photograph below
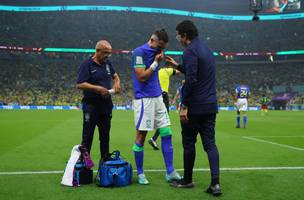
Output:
x=40 y=78
x=83 y=28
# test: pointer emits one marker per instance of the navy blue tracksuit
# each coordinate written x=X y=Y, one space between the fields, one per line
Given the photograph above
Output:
x=97 y=110
x=199 y=95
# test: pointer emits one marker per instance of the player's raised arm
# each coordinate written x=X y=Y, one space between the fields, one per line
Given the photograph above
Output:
x=143 y=73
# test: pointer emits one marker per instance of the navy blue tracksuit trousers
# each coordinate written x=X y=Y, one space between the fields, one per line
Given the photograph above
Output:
x=93 y=114
x=204 y=125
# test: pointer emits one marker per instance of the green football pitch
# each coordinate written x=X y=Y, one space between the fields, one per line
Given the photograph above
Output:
x=263 y=161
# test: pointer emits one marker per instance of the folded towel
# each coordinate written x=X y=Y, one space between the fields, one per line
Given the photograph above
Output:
x=67 y=178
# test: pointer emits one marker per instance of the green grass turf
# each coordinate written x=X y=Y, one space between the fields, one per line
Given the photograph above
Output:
x=42 y=140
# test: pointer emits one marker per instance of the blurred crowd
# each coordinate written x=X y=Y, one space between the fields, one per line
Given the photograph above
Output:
x=126 y=30
x=40 y=78
x=49 y=79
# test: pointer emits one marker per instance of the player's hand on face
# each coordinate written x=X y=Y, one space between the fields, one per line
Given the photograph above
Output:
x=171 y=61
x=183 y=115
x=159 y=57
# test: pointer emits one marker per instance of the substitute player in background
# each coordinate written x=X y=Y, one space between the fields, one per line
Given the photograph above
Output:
x=164 y=75
x=149 y=109
x=242 y=94
x=264 y=103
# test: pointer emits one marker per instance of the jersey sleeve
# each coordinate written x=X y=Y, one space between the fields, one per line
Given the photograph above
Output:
x=112 y=70
x=138 y=59
x=83 y=73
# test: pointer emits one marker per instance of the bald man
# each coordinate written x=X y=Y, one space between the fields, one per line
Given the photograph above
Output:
x=94 y=78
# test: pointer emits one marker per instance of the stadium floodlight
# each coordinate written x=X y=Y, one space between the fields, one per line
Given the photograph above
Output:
x=255 y=6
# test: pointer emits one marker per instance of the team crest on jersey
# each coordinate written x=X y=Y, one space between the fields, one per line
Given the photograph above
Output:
x=139 y=60
x=108 y=69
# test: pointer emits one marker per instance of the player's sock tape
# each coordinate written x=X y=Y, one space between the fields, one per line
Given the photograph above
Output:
x=165 y=131
x=138 y=148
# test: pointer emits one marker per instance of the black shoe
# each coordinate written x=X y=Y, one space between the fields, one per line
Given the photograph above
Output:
x=182 y=184
x=237 y=127
x=153 y=144
x=214 y=190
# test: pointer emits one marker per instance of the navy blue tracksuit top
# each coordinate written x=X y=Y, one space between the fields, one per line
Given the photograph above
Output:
x=199 y=91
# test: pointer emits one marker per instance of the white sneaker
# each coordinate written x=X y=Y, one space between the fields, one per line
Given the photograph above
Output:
x=173 y=176
x=143 y=180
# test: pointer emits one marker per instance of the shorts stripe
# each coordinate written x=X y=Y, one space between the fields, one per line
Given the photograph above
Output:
x=141 y=114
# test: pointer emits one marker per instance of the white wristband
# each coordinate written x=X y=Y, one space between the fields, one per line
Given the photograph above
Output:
x=154 y=65
x=111 y=91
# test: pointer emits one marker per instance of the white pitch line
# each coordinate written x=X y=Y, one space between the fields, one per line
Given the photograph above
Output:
x=274 y=143
x=279 y=136
x=163 y=170
x=31 y=172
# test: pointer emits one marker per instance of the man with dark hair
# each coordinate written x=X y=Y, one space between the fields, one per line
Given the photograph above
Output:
x=94 y=78
x=149 y=109
x=199 y=104
x=162 y=35
x=187 y=28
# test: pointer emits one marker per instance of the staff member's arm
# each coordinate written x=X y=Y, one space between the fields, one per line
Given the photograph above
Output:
x=191 y=67
x=177 y=72
x=83 y=84
x=88 y=86
x=176 y=65
x=143 y=73
x=116 y=85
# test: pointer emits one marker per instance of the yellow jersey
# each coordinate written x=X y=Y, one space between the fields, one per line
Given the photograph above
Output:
x=164 y=75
